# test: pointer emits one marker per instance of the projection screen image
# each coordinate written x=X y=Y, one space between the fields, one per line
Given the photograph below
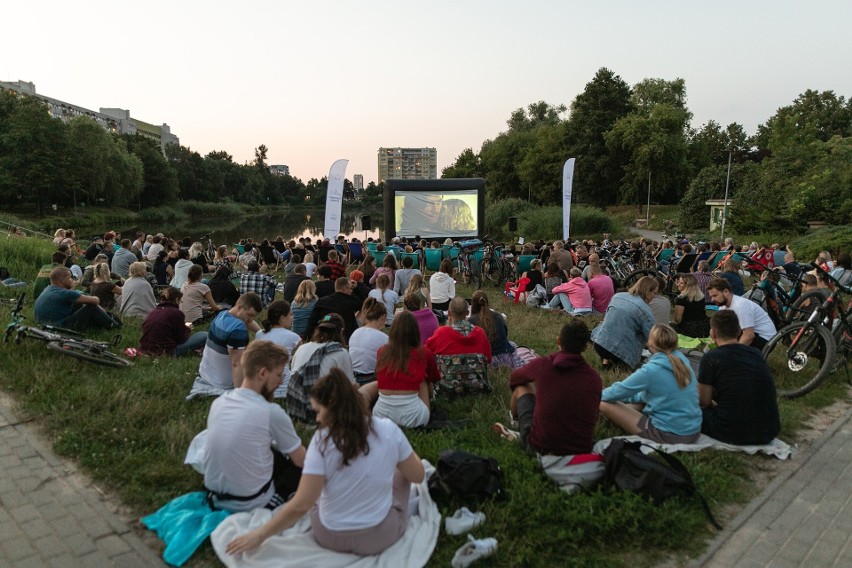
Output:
x=436 y=214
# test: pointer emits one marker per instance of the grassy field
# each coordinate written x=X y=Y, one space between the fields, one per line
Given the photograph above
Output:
x=129 y=429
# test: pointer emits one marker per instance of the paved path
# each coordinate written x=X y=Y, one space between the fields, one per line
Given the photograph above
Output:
x=49 y=514
x=803 y=518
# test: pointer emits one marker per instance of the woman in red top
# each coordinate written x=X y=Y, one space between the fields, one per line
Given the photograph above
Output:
x=403 y=372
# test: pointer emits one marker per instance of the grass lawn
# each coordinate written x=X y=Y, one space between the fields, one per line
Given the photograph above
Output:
x=129 y=429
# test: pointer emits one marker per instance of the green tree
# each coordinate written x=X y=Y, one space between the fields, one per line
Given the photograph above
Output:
x=33 y=155
x=161 y=183
x=693 y=214
x=467 y=165
x=812 y=116
x=598 y=172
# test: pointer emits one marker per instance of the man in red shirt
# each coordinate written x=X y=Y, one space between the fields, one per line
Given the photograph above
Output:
x=556 y=398
x=337 y=269
x=459 y=336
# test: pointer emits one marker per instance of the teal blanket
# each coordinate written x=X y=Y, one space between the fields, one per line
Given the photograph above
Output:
x=183 y=524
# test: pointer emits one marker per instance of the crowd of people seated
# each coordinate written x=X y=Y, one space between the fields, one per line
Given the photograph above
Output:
x=356 y=349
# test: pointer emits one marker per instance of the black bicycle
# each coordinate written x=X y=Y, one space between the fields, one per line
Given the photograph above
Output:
x=63 y=341
x=803 y=354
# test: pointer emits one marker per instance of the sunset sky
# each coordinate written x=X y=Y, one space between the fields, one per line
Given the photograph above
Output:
x=318 y=81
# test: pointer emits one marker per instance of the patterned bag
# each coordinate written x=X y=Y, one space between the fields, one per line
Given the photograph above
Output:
x=303 y=380
x=462 y=375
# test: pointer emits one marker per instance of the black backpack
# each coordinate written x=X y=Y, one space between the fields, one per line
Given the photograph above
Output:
x=466 y=476
x=628 y=469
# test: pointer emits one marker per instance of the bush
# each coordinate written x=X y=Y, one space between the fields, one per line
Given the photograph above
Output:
x=160 y=214
x=219 y=209
x=497 y=214
x=832 y=239
x=546 y=222
x=24 y=256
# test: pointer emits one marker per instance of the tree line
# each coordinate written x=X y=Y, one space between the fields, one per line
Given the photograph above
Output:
x=45 y=161
x=796 y=168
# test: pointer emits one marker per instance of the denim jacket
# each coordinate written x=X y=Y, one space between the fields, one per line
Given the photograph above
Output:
x=624 y=330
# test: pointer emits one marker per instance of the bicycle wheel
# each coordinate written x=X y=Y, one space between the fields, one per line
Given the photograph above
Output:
x=800 y=358
x=633 y=277
x=88 y=352
x=489 y=270
x=804 y=306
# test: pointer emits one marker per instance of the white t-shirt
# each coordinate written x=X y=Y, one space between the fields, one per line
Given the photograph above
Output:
x=309 y=269
x=752 y=315
x=154 y=251
x=242 y=427
x=359 y=495
x=289 y=341
x=339 y=359
x=363 y=345
x=389 y=298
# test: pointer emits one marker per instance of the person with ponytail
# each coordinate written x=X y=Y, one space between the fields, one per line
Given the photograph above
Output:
x=367 y=340
x=276 y=328
x=404 y=371
x=494 y=326
x=659 y=401
x=386 y=296
x=349 y=449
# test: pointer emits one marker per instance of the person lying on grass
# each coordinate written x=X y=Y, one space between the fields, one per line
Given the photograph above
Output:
x=242 y=469
x=659 y=401
x=349 y=449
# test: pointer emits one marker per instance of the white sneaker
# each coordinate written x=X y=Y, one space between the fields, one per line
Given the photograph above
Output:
x=463 y=521
x=473 y=550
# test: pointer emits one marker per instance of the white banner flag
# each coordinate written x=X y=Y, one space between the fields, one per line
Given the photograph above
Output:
x=334 y=199
x=567 y=181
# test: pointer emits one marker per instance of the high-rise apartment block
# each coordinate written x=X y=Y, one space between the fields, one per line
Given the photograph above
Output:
x=408 y=163
x=113 y=119
x=358 y=182
x=279 y=170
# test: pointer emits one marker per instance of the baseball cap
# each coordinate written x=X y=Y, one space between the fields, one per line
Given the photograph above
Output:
x=331 y=321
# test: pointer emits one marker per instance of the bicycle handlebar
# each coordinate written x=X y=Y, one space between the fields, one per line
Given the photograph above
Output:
x=844 y=288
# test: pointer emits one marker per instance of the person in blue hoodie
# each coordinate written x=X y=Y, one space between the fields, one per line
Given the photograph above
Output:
x=659 y=401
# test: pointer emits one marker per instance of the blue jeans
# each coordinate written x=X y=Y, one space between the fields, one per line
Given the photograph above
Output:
x=562 y=298
x=195 y=341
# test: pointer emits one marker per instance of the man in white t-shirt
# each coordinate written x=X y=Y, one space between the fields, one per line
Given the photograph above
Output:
x=757 y=327
x=248 y=437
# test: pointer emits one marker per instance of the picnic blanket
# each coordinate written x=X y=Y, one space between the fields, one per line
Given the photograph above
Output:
x=183 y=524
x=775 y=448
x=297 y=548
x=572 y=473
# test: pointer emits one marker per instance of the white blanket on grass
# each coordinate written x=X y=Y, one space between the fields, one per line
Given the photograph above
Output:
x=297 y=548
x=776 y=447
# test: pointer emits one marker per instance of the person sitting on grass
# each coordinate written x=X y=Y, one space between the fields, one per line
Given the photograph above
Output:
x=276 y=328
x=165 y=330
x=442 y=286
x=619 y=339
x=367 y=340
x=405 y=371
x=61 y=306
x=757 y=327
x=495 y=328
x=254 y=455
x=325 y=285
x=386 y=296
x=459 y=336
x=195 y=295
x=573 y=296
x=104 y=288
x=555 y=398
x=427 y=321
x=690 y=316
x=350 y=449
x=220 y=369
x=137 y=297
x=659 y=401
x=736 y=389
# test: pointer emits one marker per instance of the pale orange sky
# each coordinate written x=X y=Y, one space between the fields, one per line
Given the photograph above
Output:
x=319 y=81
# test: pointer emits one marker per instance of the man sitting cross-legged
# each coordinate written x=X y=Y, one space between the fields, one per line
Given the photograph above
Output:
x=556 y=398
x=62 y=306
x=735 y=388
x=248 y=437
x=459 y=336
x=221 y=368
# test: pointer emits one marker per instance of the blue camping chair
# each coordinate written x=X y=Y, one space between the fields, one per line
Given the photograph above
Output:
x=433 y=259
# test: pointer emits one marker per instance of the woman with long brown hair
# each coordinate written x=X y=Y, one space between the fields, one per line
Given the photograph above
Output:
x=349 y=449
x=403 y=372
x=659 y=401
x=619 y=339
x=494 y=326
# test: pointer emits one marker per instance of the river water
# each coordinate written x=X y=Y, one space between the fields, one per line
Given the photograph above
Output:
x=292 y=225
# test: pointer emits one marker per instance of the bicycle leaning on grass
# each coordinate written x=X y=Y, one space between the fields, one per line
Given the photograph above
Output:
x=63 y=341
x=804 y=353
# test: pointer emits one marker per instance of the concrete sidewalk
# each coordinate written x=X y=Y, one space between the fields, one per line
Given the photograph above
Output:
x=49 y=514
x=803 y=518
